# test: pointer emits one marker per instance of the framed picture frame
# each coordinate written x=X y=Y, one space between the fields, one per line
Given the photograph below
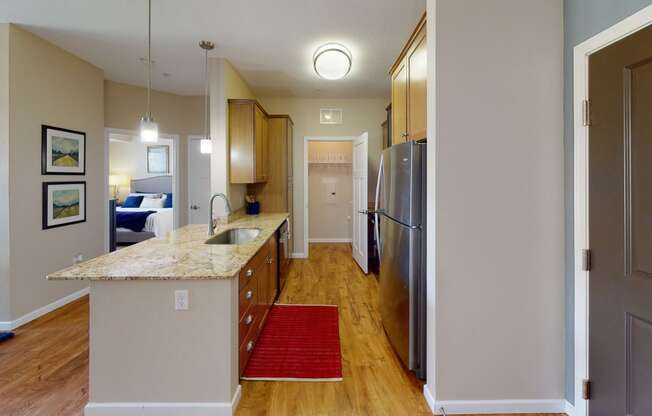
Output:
x=158 y=159
x=63 y=151
x=64 y=203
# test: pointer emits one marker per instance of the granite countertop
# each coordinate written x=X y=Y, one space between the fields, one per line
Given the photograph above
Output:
x=182 y=255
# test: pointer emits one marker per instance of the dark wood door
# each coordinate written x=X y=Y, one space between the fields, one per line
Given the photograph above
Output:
x=620 y=228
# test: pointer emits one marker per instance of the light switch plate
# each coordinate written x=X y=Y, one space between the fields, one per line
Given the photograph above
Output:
x=181 y=301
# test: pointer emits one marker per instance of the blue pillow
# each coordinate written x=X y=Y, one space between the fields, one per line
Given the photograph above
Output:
x=133 y=201
x=168 y=200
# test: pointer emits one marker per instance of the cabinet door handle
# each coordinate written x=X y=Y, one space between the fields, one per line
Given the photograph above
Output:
x=249 y=273
x=250 y=346
x=249 y=294
x=249 y=319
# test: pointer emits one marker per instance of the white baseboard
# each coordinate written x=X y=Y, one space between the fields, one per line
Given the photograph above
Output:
x=164 y=408
x=236 y=399
x=570 y=409
x=11 y=325
x=329 y=240
x=457 y=407
x=429 y=399
x=298 y=256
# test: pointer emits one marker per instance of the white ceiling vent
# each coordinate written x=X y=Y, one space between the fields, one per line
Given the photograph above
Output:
x=330 y=116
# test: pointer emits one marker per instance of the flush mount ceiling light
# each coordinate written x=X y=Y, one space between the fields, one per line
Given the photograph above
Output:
x=148 y=127
x=206 y=145
x=332 y=61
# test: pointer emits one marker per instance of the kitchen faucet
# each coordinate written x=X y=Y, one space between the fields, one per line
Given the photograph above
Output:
x=211 y=225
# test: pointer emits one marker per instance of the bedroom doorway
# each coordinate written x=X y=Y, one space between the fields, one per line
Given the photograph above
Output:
x=143 y=178
x=199 y=181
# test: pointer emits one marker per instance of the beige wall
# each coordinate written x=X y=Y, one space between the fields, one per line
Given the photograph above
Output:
x=5 y=309
x=50 y=86
x=235 y=87
x=165 y=355
x=360 y=115
x=175 y=114
x=498 y=259
x=330 y=215
x=225 y=83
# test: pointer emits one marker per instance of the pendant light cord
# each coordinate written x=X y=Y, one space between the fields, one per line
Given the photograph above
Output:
x=149 y=58
x=206 y=135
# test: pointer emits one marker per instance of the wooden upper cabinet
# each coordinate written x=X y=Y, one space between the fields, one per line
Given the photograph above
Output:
x=417 y=61
x=409 y=76
x=399 y=104
x=249 y=144
x=289 y=144
x=262 y=145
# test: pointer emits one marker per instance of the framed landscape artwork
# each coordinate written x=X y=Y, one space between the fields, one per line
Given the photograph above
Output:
x=63 y=151
x=64 y=203
x=158 y=159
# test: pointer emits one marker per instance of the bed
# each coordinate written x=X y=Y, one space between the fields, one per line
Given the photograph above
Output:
x=157 y=223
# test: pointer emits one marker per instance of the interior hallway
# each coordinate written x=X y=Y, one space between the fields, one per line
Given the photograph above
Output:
x=44 y=369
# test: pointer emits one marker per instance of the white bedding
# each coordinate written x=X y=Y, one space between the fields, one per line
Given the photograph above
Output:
x=160 y=223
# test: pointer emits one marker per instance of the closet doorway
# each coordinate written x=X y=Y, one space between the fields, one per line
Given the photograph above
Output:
x=330 y=185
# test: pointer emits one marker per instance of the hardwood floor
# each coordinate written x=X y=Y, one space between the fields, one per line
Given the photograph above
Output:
x=44 y=369
x=374 y=382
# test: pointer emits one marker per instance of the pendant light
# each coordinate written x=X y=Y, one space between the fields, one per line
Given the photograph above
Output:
x=148 y=127
x=206 y=145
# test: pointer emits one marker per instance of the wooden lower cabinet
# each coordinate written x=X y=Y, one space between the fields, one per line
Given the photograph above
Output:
x=258 y=291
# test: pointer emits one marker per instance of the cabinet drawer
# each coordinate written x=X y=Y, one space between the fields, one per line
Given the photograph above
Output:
x=249 y=322
x=250 y=270
x=246 y=348
x=248 y=296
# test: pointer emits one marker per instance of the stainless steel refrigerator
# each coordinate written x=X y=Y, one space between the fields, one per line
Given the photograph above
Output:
x=401 y=213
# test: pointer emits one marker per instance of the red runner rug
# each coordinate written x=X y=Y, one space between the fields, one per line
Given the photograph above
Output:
x=298 y=343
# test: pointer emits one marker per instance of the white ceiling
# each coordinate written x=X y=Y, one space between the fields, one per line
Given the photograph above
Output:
x=270 y=42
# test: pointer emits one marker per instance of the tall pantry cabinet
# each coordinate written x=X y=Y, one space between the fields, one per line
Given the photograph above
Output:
x=276 y=194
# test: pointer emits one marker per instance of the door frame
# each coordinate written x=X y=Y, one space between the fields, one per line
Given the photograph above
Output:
x=581 y=54
x=190 y=138
x=306 y=184
x=107 y=194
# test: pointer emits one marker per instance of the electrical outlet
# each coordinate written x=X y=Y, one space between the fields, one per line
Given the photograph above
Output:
x=181 y=301
x=78 y=258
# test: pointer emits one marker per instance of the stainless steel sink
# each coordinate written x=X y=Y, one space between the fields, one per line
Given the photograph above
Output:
x=235 y=236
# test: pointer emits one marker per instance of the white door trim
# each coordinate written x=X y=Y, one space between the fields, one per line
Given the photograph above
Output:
x=192 y=137
x=626 y=27
x=306 y=188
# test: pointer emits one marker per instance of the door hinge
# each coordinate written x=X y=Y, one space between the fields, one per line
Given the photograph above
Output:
x=586 y=389
x=586 y=259
x=586 y=113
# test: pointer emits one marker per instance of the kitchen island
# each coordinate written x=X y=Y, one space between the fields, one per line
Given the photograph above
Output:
x=154 y=351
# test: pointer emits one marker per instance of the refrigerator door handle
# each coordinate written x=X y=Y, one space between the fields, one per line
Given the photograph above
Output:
x=376 y=207
x=410 y=227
